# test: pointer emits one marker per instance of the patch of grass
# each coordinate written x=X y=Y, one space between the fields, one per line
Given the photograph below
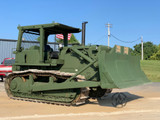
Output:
x=152 y=69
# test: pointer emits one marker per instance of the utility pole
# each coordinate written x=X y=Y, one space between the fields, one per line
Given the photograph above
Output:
x=141 y=47
x=109 y=26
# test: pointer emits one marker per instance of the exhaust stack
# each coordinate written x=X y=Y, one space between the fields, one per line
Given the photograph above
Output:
x=83 y=33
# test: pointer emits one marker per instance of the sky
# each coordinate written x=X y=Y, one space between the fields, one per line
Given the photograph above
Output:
x=130 y=19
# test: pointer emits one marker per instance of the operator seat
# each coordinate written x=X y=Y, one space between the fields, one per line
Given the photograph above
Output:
x=53 y=54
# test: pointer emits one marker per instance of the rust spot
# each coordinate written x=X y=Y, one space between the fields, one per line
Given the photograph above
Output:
x=126 y=50
x=118 y=49
x=23 y=79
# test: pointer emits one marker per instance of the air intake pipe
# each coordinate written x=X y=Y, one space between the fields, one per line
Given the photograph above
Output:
x=83 y=33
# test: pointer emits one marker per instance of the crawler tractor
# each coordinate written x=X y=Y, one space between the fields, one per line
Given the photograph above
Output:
x=71 y=75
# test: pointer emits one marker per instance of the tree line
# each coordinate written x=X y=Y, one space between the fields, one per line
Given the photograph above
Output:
x=151 y=51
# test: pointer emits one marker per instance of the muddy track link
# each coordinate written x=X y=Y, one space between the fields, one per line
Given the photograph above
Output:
x=81 y=99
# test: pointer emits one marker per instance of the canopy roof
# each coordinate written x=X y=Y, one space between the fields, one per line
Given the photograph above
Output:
x=52 y=28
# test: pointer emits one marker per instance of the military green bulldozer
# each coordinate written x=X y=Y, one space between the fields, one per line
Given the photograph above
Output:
x=71 y=75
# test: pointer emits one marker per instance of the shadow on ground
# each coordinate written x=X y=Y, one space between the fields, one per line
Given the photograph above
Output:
x=107 y=100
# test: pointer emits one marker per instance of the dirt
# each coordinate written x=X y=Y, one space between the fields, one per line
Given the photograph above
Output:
x=143 y=104
x=2 y=86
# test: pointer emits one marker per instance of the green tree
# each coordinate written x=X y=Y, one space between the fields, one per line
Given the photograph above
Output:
x=59 y=40
x=148 y=47
x=131 y=51
x=156 y=56
x=72 y=40
x=38 y=39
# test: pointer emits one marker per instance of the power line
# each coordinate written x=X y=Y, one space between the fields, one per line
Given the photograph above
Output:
x=101 y=38
x=123 y=40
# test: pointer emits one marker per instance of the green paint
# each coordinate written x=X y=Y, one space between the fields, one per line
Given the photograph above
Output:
x=66 y=85
x=101 y=66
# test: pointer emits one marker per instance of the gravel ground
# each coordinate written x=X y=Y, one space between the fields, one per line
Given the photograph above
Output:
x=143 y=104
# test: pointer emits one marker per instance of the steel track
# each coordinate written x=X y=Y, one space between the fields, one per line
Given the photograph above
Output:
x=79 y=100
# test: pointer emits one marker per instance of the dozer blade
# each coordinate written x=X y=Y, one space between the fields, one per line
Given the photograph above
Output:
x=119 y=69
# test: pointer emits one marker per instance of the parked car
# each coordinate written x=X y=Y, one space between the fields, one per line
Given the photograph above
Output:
x=6 y=67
